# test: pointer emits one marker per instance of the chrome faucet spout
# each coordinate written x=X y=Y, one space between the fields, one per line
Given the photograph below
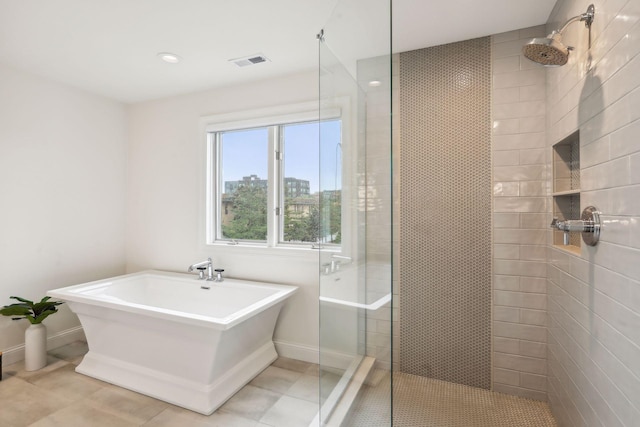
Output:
x=200 y=264
x=204 y=265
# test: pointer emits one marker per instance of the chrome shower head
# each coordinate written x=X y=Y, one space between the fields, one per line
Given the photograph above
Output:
x=550 y=51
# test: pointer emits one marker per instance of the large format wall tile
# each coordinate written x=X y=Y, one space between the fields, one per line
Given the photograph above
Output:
x=520 y=221
x=594 y=296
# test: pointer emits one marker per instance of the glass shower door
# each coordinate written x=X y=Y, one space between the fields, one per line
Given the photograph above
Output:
x=355 y=247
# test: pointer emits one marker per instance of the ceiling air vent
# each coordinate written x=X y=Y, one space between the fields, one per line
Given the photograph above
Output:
x=250 y=60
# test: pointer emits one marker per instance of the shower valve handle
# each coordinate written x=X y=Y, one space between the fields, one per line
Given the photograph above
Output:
x=573 y=225
x=589 y=225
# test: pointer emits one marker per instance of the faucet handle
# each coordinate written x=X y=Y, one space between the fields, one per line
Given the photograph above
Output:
x=201 y=271
x=219 y=274
x=554 y=223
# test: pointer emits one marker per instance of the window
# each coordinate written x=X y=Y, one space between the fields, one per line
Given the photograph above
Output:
x=243 y=169
x=264 y=185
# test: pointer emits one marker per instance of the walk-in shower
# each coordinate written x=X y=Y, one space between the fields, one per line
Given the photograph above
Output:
x=406 y=334
x=550 y=51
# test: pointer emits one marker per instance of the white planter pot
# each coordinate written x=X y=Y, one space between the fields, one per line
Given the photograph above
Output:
x=35 y=347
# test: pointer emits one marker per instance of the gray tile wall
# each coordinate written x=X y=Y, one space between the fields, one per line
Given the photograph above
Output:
x=520 y=189
x=594 y=297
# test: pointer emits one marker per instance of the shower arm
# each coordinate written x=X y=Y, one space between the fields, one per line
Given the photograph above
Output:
x=587 y=17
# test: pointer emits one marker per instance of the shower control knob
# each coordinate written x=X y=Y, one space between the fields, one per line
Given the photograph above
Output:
x=588 y=224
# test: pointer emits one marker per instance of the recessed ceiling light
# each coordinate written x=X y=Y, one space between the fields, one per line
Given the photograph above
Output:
x=171 y=58
x=375 y=83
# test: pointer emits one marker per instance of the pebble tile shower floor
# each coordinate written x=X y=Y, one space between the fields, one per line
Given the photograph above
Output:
x=283 y=395
x=425 y=402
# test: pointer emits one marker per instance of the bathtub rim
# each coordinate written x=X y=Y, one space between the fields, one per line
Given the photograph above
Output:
x=73 y=295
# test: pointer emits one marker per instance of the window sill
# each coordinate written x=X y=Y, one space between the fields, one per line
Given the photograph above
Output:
x=282 y=250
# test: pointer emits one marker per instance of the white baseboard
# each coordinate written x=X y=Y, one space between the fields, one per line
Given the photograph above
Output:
x=16 y=354
x=297 y=351
x=330 y=359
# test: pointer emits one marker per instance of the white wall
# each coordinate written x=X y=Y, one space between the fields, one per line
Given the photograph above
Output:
x=165 y=196
x=62 y=186
x=594 y=297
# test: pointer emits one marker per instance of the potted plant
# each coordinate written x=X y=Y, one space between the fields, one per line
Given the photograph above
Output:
x=35 y=337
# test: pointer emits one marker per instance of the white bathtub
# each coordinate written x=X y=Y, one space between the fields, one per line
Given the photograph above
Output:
x=160 y=334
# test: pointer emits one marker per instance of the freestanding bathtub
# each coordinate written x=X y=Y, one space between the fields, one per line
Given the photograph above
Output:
x=161 y=334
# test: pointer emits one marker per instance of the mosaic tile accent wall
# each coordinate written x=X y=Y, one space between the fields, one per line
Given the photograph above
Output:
x=445 y=212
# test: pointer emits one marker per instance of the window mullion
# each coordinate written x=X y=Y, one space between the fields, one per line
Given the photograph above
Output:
x=273 y=199
x=215 y=193
x=280 y=184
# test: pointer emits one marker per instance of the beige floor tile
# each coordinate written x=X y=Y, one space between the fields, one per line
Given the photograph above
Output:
x=65 y=381
x=309 y=387
x=290 y=412
x=174 y=417
x=53 y=363
x=132 y=406
x=82 y=415
x=313 y=370
x=276 y=379
x=72 y=353
x=306 y=388
x=251 y=402
x=22 y=403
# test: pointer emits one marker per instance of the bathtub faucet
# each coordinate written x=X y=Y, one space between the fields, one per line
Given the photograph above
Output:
x=202 y=266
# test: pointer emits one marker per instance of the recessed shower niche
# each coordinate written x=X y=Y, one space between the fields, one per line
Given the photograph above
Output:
x=566 y=188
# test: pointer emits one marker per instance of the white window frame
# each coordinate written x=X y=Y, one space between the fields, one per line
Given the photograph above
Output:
x=271 y=118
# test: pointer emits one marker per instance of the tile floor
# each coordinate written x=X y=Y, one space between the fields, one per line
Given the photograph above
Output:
x=285 y=394
x=425 y=402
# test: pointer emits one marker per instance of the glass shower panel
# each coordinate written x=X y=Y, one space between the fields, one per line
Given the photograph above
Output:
x=356 y=321
x=342 y=231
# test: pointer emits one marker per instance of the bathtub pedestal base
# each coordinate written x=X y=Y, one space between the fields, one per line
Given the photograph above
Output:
x=192 y=395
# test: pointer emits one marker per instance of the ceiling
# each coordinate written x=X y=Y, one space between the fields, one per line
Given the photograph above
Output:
x=110 y=47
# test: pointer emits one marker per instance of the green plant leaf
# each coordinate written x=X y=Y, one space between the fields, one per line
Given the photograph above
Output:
x=43 y=315
x=34 y=313
x=15 y=310
x=43 y=306
x=18 y=304
x=26 y=301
